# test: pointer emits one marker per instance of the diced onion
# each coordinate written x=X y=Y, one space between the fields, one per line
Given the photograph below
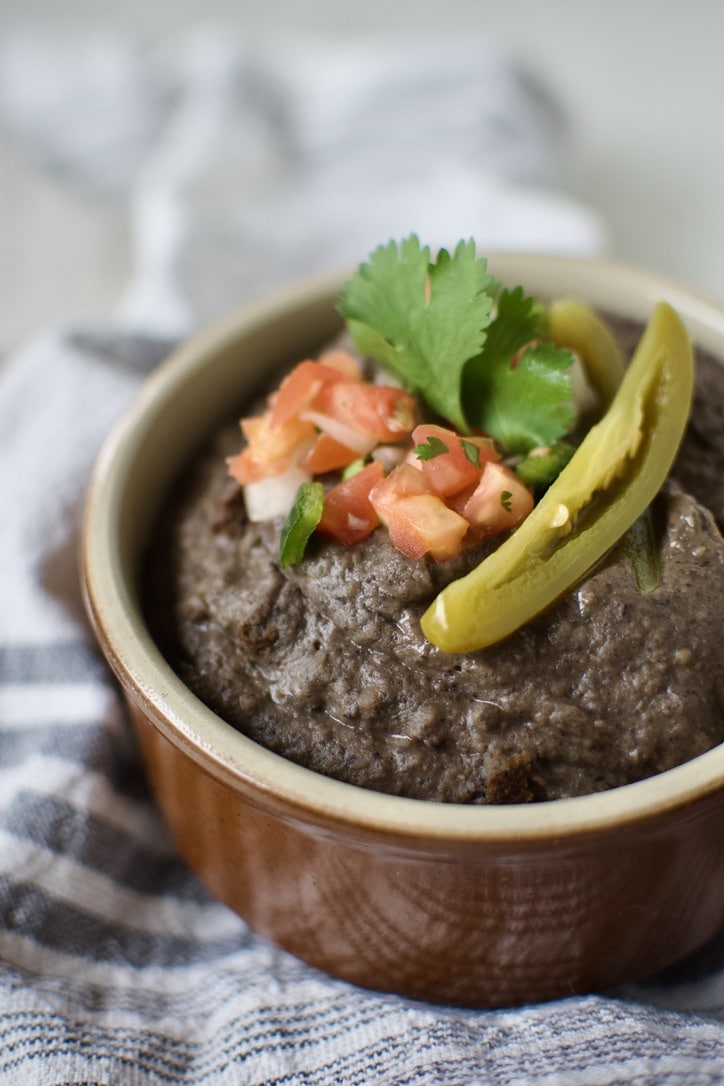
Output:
x=345 y=435
x=274 y=496
x=391 y=456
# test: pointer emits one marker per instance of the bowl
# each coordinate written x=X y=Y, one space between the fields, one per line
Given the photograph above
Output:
x=469 y=905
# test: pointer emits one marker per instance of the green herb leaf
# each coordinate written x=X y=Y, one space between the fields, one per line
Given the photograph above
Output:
x=505 y=496
x=431 y=448
x=472 y=452
x=423 y=321
x=432 y=324
x=540 y=470
x=518 y=389
x=304 y=516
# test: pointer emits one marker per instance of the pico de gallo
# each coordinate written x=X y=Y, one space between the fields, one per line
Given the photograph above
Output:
x=434 y=490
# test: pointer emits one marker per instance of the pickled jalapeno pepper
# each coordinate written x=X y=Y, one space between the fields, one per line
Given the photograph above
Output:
x=613 y=476
x=571 y=323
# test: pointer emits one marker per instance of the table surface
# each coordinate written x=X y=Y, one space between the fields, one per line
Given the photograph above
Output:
x=642 y=79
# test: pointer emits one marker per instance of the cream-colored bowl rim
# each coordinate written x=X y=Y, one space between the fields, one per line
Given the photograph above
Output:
x=269 y=778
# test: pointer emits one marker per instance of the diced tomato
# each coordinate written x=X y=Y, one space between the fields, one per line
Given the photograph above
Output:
x=326 y=454
x=344 y=362
x=271 y=450
x=422 y=524
x=448 y=472
x=271 y=440
x=400 y=483
x=418 y=522
x=459 y=500
x=499 y=502
x=243 y=468
x=348 y=514
x=300 y=388
x=387 y=414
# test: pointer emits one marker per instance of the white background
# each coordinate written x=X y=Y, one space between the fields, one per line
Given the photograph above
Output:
x=643 y=81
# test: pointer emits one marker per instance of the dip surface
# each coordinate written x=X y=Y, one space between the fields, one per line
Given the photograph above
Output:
x=325 y=663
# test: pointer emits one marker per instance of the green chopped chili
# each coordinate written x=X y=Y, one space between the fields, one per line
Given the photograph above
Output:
x=542 y=466
x=354 y=468
x=304 y=516
x=611 y=479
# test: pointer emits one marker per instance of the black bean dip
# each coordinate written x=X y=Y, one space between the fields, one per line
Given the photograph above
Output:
x=325 y=663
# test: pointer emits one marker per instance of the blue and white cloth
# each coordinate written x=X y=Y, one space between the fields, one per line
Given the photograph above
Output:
x=116 y=966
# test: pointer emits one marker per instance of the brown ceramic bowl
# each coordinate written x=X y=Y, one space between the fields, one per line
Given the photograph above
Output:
x=481 y=906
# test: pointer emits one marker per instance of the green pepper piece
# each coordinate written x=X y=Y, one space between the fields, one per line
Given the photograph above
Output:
x=304 y=516
x=613 y=476
x=540 y=469
x=353 y=468
x=573 y=324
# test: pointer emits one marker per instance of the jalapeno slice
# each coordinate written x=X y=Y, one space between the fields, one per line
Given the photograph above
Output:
x=613 y=476
x=571 y=323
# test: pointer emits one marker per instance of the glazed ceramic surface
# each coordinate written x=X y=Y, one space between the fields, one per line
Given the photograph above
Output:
x=481 y=906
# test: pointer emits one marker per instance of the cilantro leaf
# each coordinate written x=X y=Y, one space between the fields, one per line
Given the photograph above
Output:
x=428 y=450
x=517 y=389
x=423 y=321
x=472 y=452
x=431 y=324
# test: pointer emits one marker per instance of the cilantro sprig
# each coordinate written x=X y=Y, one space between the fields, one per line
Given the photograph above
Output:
x=517 y=388
x=423 y=320
x=473 y=352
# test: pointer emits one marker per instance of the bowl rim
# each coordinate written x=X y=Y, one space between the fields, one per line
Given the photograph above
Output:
x=270 y=779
